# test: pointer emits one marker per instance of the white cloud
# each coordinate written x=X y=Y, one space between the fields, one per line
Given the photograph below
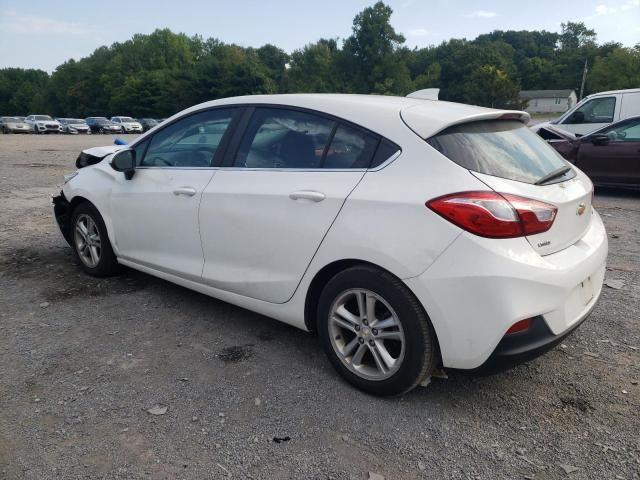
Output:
x=481 y=14
x=607 y=9
x=18 y=23
x=418 y=32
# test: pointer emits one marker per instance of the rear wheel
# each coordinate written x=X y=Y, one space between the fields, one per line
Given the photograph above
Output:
x=91 y=243
x=375 y=332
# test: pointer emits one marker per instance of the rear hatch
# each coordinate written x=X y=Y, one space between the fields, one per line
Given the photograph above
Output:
x=509 y=158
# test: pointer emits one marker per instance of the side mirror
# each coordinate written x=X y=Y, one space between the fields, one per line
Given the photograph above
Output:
x=125 y=161
x=599 y=139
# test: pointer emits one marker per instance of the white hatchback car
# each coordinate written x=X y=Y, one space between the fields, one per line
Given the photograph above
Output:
x=128 y=124
x=410 y=234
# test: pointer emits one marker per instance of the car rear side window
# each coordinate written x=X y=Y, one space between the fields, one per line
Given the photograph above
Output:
x=501 y=148
x=350 y=148
x=385 y=151
x=281 y=138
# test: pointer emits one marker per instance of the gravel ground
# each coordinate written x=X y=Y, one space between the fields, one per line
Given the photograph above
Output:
x=82 y=360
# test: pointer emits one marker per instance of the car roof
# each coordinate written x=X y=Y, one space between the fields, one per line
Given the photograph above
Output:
x=375 y=111
x=611 y=92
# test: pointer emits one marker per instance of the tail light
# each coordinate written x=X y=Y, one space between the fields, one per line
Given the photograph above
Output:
x=520 y=326
x=495 y=215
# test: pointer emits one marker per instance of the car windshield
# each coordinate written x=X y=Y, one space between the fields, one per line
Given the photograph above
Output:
x=75 y=120
x=501 y=148
x=42 y=117
x=126 y=119
x=10 y=119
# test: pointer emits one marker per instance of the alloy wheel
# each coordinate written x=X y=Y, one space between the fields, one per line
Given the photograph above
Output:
x=366 y=334
x=87 y=240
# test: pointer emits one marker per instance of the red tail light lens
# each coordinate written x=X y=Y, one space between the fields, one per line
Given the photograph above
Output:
x=520 y=326
x=495 y=215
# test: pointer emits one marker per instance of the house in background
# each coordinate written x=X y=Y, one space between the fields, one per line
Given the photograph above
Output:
x=548 y=101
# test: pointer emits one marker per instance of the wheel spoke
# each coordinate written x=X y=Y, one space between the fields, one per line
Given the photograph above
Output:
x=82 y=230
x=361 y=297
x=386 y=323
x=346 y=325
x=371 y=309
x=388 y=360
x=348 y=348
x=357 y=357
x=379 y=361
x=389 y=336
x=93 y=252
x=347 y=315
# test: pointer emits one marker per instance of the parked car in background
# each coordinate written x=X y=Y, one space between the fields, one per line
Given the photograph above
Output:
x=74 y=125
x=597 y=111
x=410 y=234
x=43 y=124
x=147 y=123
x=14 y=125
x=102 y=125
x=128 y=124
x=160 y=120
x=610 y=156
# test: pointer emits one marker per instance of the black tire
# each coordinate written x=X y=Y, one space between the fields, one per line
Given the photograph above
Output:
x=420 y=357
x=101 y=131
x=107 y=264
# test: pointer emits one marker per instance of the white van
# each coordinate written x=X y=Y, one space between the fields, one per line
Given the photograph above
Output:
x=598 y=110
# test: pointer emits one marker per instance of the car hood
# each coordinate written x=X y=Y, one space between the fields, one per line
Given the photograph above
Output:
x=565 y=134
x=48 y=122
x=94 y=155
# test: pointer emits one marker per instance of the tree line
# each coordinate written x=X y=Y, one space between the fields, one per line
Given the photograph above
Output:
x=163 y=72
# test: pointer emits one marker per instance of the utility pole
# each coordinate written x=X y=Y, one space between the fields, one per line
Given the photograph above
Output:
x=584 y=79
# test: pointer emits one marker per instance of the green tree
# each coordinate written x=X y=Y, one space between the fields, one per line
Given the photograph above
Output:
x=370 y=54
x=617 y=70
x=491 y=87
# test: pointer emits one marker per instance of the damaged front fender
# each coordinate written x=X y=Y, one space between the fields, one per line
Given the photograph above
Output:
x=62 y=212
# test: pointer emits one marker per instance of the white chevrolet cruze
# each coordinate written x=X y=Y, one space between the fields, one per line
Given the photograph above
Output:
x=412 y=235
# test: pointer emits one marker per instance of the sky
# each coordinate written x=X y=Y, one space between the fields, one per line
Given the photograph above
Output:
x=44 y=33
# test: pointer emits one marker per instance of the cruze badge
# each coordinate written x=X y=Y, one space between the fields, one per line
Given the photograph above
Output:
x=581 y=209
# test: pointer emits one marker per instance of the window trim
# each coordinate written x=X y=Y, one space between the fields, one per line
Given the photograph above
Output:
x=230 y=142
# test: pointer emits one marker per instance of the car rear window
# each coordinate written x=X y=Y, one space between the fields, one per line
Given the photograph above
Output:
x=501 y=148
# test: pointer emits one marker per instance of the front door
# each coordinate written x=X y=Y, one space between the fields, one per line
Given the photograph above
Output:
x=263 y=218
x=616 y=161
x=155 y=214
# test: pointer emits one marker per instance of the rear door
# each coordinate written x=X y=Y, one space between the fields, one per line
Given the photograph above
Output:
x=616 y=161
x=266 y=211
x=510 y=158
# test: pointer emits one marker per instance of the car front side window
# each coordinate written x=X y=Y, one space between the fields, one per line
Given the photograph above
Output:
x=280 y=138
x=189 y=142
x=628 y=132
x=597 y=110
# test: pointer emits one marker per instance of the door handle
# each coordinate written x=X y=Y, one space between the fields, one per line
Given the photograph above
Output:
x=186 y=191
x=312 y=195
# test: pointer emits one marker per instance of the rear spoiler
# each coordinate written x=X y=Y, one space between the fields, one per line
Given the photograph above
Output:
x=427 y=122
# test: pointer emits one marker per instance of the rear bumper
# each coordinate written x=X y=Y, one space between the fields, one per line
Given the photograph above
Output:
x=519 y=348
x=478 y=288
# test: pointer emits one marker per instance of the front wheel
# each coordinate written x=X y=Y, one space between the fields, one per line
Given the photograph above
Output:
x=91 y=243
x=375 y=332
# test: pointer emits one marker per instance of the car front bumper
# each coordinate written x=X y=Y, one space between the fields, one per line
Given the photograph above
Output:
x=478 y=288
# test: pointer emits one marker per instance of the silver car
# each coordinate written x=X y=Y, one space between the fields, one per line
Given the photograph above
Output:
x=13 y=125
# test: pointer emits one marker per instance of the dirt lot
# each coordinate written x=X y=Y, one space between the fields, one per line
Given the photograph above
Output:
x=82 y=360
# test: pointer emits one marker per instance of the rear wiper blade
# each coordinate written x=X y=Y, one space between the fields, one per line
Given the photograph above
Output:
x=557 y=173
